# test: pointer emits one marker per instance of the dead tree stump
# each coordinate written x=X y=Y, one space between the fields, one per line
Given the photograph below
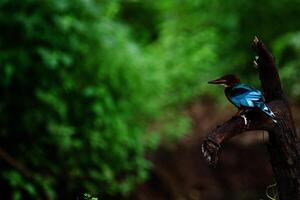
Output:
x=283 y=145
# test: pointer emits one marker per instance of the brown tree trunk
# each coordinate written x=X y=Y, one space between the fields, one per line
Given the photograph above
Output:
x=283 y=144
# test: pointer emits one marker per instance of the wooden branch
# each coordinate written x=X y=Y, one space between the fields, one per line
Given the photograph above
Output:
x=283 y=146
x=23 y=169
x=15 y=163
x=233 y=127
x=268 y=75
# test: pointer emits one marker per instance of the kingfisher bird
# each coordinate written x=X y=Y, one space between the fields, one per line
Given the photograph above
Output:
x=243 y=96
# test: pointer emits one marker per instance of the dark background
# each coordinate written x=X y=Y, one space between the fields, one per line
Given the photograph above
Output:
x=108 y=98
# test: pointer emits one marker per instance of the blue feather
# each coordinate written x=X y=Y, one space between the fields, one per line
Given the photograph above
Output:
x=245 y=96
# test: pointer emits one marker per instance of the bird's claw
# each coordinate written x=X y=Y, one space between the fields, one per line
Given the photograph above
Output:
x=210 y=151
x=245 y=119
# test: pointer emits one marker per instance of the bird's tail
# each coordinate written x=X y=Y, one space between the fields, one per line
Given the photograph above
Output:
x=265 y=109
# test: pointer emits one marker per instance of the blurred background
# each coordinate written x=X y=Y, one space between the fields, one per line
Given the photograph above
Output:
x=108 y=98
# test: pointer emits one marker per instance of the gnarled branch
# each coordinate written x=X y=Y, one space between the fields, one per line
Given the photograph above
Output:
x=268 y=75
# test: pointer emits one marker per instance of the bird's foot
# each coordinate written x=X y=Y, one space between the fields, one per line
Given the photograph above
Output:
x=210 y=151
x=241 y=112
x=238 y=113
x=245 y=119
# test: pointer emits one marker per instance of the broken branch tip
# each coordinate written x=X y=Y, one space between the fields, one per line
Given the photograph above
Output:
x=256 y=40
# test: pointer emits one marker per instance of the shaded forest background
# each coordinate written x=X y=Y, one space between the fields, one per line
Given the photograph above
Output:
x=92 y=89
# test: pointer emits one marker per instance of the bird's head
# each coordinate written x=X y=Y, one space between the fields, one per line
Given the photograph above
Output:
x=227 y=80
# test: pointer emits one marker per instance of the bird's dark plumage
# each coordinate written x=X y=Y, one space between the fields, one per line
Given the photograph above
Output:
x=244 y=96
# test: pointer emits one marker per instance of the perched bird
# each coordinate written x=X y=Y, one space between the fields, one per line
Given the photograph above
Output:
x=243 y=96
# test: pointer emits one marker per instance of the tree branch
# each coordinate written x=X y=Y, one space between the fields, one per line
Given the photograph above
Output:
x=233 y=127
x=15 y=163
x=268 y=75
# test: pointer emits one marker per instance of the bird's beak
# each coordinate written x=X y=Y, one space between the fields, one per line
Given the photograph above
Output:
x=217 y=81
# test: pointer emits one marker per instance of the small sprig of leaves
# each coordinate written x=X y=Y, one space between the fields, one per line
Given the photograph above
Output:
x=87 y=196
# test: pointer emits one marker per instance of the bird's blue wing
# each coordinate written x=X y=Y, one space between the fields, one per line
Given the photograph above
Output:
x=247 y=99
x=243 y=95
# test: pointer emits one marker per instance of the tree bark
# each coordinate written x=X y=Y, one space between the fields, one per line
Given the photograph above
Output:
x=283 y=145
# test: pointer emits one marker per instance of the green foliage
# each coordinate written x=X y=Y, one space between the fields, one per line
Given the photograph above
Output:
x=75 y=99
x=287 y=49
x=88 y=87
x=89 y=197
